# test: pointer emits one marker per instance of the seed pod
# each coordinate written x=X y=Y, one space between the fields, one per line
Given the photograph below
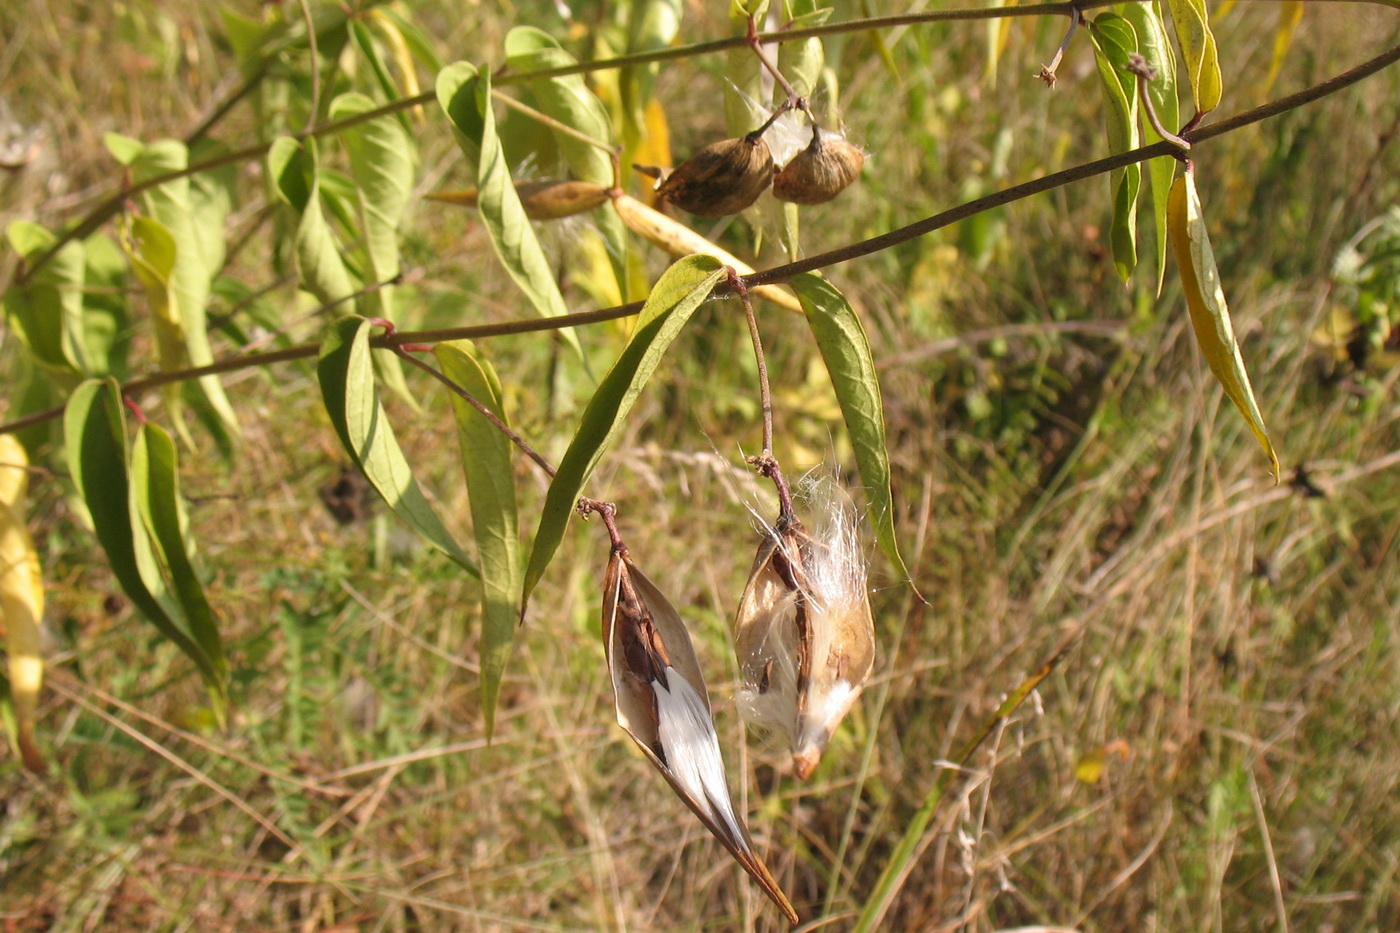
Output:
x=663 y=705
x=542 y=200
x=723 y=178
x=821 y=171
x=804 y=633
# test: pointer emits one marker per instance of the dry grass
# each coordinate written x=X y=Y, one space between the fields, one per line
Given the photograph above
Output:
x=1236 y=644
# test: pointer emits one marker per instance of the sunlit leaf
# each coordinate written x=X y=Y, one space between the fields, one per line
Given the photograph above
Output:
x=47 y=310
x=382 y=166
x=1192 y=22
x=351 y=396
x=320 y=267
x=21 y=600
x=465 y=96
x=1205 y=300
x=95 y=444
x=801 y=62
x=155 y=480
x=363 y=41
x=846 y=353
x=197 y=261
x=673 y=300
x=652 y=25
x=1114 y=40
x=1153 y=43
x=486 y=460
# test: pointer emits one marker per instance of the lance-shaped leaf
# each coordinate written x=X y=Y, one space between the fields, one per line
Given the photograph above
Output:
x=661 y=701
x=1192 y=21
x=1153 y=44
x=95 y=443
x=381 y=164
x=569 y=100
x=1205 y=300
x=846 y=353
x=47 y=310
x=652 y=25
x=677 y=294
x=198 y=240
x=21 y=600
x=155 y=481
x=486 y=455
x=801 y=62
x=804 y=635
x=1114 y=40
x=297 y=180
x=465 y=97
x=351 y=395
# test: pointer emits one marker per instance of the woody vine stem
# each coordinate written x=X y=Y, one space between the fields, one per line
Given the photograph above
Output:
x=1167 y=147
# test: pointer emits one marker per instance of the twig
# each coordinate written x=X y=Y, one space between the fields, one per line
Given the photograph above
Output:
x=608 y=512
x=1047 y=72
x=1145 y=73
x=402 y=351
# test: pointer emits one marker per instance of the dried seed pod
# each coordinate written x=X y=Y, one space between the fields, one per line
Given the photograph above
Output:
x=804 y=633
x=542 y=200
x=821 y=171
x=663 y=705
x=723 y=178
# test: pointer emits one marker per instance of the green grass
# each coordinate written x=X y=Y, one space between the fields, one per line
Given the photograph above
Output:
x=1241 y=639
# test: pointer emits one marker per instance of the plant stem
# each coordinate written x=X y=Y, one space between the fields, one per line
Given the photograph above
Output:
x=1047 y=72
x=1144 y=71
x=755 y=43
x=608 y=512
x=552 y=123
x=105 y=210
x=784 y=272
x=496 y=422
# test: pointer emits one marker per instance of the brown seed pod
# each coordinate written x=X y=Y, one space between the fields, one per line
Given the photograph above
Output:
x=821 y=171
x=542 y=200
x=723 y=178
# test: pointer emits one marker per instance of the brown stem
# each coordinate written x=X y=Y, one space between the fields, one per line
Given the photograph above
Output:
x=784 y=272
x=765 y=395
x=755 y=43
x=1144 y=71
x=608 y=512
x=476 y=403
x=1047 y=72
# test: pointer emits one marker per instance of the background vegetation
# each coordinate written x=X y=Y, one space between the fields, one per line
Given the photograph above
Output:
x=1216 y=752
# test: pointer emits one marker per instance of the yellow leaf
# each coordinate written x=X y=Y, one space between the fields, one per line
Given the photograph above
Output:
x=1205 y=300
x=21 y=601
x=1198 y=46
x=1290 y=13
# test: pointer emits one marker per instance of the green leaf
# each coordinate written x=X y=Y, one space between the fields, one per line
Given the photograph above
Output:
x=196 y=264
x=1146 y=20
x=382 y=166
x=351 y=396
x=123 y=148
x=47 y=311
x=1205 y=300
x=486 y=456
x=320 y=267
x=95 y=444
x=569 y=100
x=652 y=25
x=1192 y=21
x=363 y=39
x=801 y=62
x=106 y=312
x=151 y=250
x=155 y=480
x=673 y=300
x=1114 y=40
x=846 y=353
x=465 y=97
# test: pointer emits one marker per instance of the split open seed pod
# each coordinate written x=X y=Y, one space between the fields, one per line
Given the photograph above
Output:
x=663 y=705
x=804 y=634
x=721 y=179
x=821 y=171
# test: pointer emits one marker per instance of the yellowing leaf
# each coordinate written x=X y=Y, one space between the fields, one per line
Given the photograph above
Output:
x=1205 y=300
x=1192 y=23
x=21 y=599
x=1290 y=13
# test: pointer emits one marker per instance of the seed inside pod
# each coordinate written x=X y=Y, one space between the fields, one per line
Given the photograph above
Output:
x=723 y=178
x=821 y=171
